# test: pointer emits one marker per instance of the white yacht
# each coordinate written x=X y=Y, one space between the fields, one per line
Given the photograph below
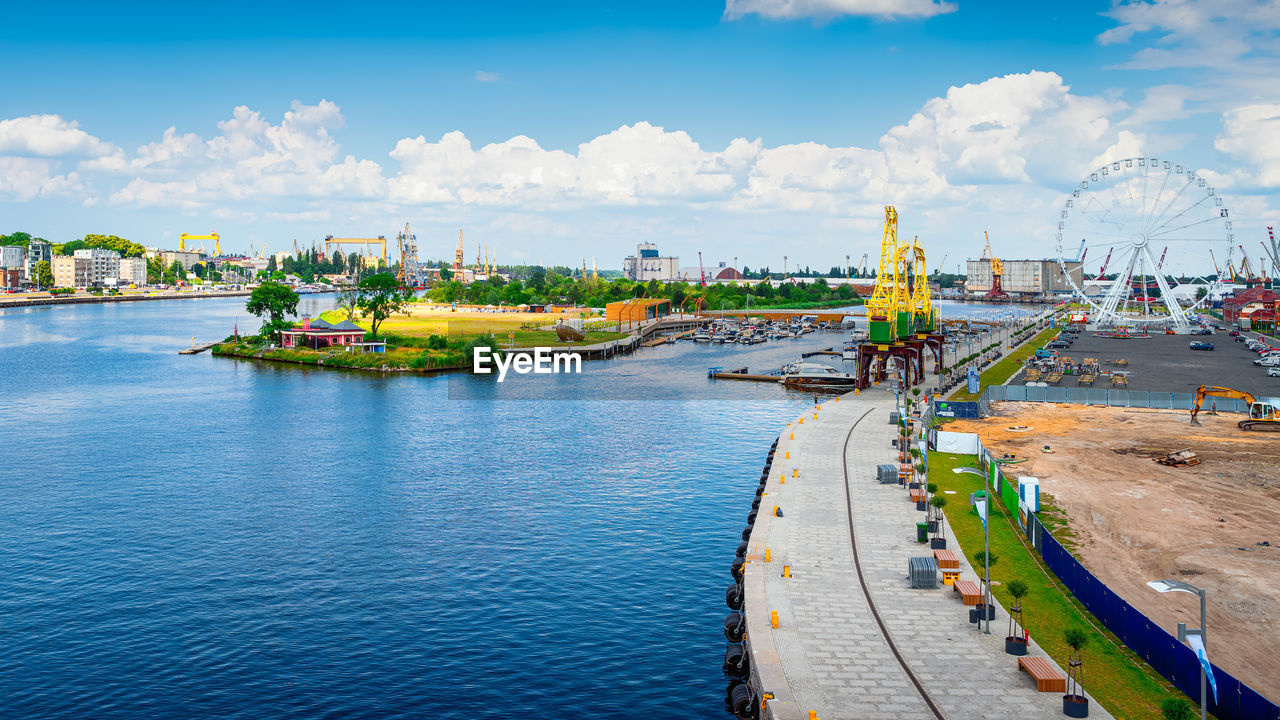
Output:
x=815 y=375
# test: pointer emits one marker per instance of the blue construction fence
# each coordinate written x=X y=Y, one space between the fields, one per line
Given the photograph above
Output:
x=1106 y=396
x=1160 y=649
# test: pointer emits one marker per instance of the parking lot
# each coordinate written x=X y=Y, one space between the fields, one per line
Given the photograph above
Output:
x=1165 y=363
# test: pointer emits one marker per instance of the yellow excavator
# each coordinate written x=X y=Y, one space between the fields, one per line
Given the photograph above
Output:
x=1264 y=413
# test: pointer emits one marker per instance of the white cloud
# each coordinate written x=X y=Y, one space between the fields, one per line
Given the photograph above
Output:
x=829 y=9
x=24 y=179
x=1194 y=33
x=251 y=159
x=487 y=77
x=1021 y=128
x=48 y=136
x=1251 y=137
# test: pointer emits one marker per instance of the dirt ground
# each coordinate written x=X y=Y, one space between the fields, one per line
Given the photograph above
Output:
x=1136 y=520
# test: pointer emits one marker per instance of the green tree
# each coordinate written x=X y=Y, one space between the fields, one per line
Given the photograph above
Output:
x=1201 y=292
x=381 y=296
x=271 y=265
x=274 y=303
x=44 y=274
x=349 y=302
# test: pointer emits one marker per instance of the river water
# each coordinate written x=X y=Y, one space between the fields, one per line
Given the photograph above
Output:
x=190 y=536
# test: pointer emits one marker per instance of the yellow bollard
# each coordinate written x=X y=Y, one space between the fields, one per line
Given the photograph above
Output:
x=793 y=436
x=795 y=472
x=788 y=454
x=813 y=715
x=801 y=421
x=836 y=400
x=786 y=571
x=775 y=511
x=815 y=416
x=773 y=619
x=768 y=556
x=817 y=408
x=784 y=479
x=857 y=391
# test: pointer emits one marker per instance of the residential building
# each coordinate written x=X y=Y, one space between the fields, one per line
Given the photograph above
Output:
x=187 y=258
x=37 y=251
x=647 y=265
x=104 y=264
x=10 y=278
x=13 y=256
x=1024 y=277
x=133 y=271
x=72 y=272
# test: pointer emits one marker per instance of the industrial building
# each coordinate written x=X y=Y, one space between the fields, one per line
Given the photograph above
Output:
x=1026 y=278
x=647 y=265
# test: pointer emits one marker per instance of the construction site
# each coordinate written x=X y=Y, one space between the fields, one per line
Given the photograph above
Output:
x=1208 y=517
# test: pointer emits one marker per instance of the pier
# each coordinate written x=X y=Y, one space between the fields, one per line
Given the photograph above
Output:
x=834 y=629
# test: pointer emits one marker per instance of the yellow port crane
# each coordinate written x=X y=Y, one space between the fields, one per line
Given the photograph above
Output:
x=380 y=242
x=217 y=244
x=882 y=312
x=921 y=300
x=997 y=269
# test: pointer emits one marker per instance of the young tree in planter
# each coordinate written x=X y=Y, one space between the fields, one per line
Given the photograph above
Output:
x=1016 y=644
x=938 y=502
x=1075 y=704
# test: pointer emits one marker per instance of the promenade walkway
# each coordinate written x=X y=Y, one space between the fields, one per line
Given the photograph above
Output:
x=852 y=640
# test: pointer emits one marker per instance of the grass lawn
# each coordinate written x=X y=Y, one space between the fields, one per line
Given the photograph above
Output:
x=463 y=325
x=1119 y=680
x=398 y=358
x=1005 y=368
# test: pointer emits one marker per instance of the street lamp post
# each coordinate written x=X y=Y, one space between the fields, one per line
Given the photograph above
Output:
x=1164 y=586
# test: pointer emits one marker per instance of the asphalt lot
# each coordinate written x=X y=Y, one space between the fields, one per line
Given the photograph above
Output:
x=1165 y=363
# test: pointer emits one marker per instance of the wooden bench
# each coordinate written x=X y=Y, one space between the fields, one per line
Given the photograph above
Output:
x=969 y=592
x=1048 y=679
x=919 y=495
x=947 y=560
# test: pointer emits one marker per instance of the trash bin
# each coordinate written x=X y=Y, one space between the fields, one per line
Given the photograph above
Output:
x=922 y=532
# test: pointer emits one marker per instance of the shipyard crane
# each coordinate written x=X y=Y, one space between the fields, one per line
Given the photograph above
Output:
x=1275 y=264
x=1102 y=272
x=1264 y=413
x=997 y=270
x=457 y=254
x=262 y=254
x=921 y=301
x=862 y=266
x=380 y=242
x=1275 y=250
x=1246 y=268
x=702 y=274
x=411 y=273
x=941 y=265
x=184 y=237
x=882 y=312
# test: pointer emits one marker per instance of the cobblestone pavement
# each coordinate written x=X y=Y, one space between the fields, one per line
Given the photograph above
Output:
x=836 y=659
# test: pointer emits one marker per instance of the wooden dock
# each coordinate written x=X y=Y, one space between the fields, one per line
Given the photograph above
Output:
x=195 y=349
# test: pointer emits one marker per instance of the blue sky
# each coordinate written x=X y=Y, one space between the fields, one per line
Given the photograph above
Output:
x=733 y=129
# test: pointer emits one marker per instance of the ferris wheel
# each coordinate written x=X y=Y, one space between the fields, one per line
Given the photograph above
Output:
x=1155 y=225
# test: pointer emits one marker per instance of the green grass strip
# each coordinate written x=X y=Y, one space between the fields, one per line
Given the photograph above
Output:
x=1117 y=678
x=998 y=373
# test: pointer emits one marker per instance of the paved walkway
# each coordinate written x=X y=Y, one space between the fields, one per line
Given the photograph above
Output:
x=828 y=653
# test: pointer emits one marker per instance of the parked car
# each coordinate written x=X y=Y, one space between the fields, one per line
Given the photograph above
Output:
x=1267 y=361
x=1273 y=372
x=1201 y=345
x=1058 y=345
x=1235 y=333
x=1202 y=330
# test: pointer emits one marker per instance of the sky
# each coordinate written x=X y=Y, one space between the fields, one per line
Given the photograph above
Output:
x=552 y=132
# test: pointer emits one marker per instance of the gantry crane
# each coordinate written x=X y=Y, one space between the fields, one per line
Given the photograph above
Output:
x=922 y=315
x=380 y=242
x=217 y=244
